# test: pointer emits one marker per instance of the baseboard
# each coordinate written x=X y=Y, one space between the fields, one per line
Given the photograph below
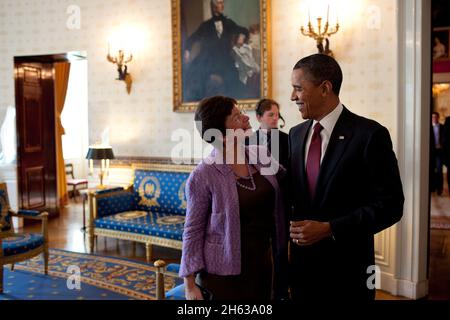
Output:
x=404 y=288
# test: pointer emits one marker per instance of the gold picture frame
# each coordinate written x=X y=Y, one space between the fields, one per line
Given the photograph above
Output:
x=441 y=43
x=195 y=76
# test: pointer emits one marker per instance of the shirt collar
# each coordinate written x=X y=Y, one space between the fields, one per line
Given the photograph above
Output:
x=329 y=121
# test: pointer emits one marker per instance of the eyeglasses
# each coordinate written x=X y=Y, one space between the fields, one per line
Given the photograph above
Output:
x=238 y=117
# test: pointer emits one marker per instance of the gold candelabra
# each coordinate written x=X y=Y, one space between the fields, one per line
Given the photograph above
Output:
x=320 y=35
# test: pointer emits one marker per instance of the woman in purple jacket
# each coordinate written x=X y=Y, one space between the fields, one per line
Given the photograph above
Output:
x=235 y=236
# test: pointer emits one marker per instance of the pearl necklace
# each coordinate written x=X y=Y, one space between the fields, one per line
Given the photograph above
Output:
x=252 y=181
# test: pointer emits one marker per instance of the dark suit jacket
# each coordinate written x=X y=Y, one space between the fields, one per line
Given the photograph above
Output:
x=359 y=192
x=282 y=157
x=445 y=141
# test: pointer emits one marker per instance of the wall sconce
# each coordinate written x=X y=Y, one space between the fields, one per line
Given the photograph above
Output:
x=104 y=154
x=319 y=35
x=121 y=60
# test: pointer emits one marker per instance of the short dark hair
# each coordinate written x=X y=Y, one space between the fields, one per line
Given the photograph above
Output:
x=322 y=67
x=264 y=105
x=212 y=113
x=436 y=113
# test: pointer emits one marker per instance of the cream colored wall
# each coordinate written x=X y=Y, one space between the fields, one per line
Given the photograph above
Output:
x=141 y=123
x=367 y=57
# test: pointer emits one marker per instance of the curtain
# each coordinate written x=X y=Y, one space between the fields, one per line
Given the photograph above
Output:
x=62 y=70
x=8 y=137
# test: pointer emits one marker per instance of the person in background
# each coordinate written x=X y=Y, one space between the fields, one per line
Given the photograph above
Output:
x=268 y=116
x=446 y=148
x=438 y=154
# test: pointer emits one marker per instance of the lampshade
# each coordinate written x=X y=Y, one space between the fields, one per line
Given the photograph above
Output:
x=99 y=153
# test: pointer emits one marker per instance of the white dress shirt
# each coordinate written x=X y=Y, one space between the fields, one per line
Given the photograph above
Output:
x=328 y=122
x=262 y=137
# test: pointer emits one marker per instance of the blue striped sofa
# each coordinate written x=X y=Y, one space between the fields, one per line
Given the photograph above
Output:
x=151 y=211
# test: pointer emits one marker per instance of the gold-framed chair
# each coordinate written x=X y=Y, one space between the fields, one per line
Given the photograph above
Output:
x=17 y=247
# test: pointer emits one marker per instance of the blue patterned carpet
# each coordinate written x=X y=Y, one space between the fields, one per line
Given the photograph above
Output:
x=101 y=278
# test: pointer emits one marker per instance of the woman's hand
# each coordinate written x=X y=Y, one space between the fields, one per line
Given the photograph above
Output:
x=192 y=292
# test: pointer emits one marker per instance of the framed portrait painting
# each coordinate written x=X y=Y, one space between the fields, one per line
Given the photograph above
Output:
x=440 y=43
x=220 y=47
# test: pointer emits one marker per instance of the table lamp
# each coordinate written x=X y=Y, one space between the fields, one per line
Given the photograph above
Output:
x=104 y=154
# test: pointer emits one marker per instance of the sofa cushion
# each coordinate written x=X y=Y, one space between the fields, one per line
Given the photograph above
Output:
x=177 y=293
x=168 y=226
x=115 y=203
x=20 y=243
x=159 y=191
x=173 y=267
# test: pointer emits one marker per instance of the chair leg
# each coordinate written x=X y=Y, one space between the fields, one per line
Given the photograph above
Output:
x=74 y=193
x=46 y=260
x=148 y=252
x=12 y=266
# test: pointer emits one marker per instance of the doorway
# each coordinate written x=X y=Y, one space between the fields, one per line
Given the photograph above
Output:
x=439 y=243
x=37 y=164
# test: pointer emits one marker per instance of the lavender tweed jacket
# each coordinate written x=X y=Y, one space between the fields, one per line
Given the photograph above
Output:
x=211 y=237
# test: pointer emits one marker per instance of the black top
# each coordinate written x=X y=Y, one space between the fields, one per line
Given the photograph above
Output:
x=283 y=145
x=256 y=221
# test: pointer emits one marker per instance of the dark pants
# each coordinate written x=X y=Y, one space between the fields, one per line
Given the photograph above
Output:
x=438 y=178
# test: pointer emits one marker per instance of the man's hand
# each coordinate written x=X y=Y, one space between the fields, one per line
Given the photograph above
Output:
x=307 y=232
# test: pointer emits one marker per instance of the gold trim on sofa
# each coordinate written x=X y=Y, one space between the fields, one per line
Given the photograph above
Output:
x=163 y=167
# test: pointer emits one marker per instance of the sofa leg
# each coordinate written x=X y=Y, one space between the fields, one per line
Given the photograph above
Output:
x=148 y=251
